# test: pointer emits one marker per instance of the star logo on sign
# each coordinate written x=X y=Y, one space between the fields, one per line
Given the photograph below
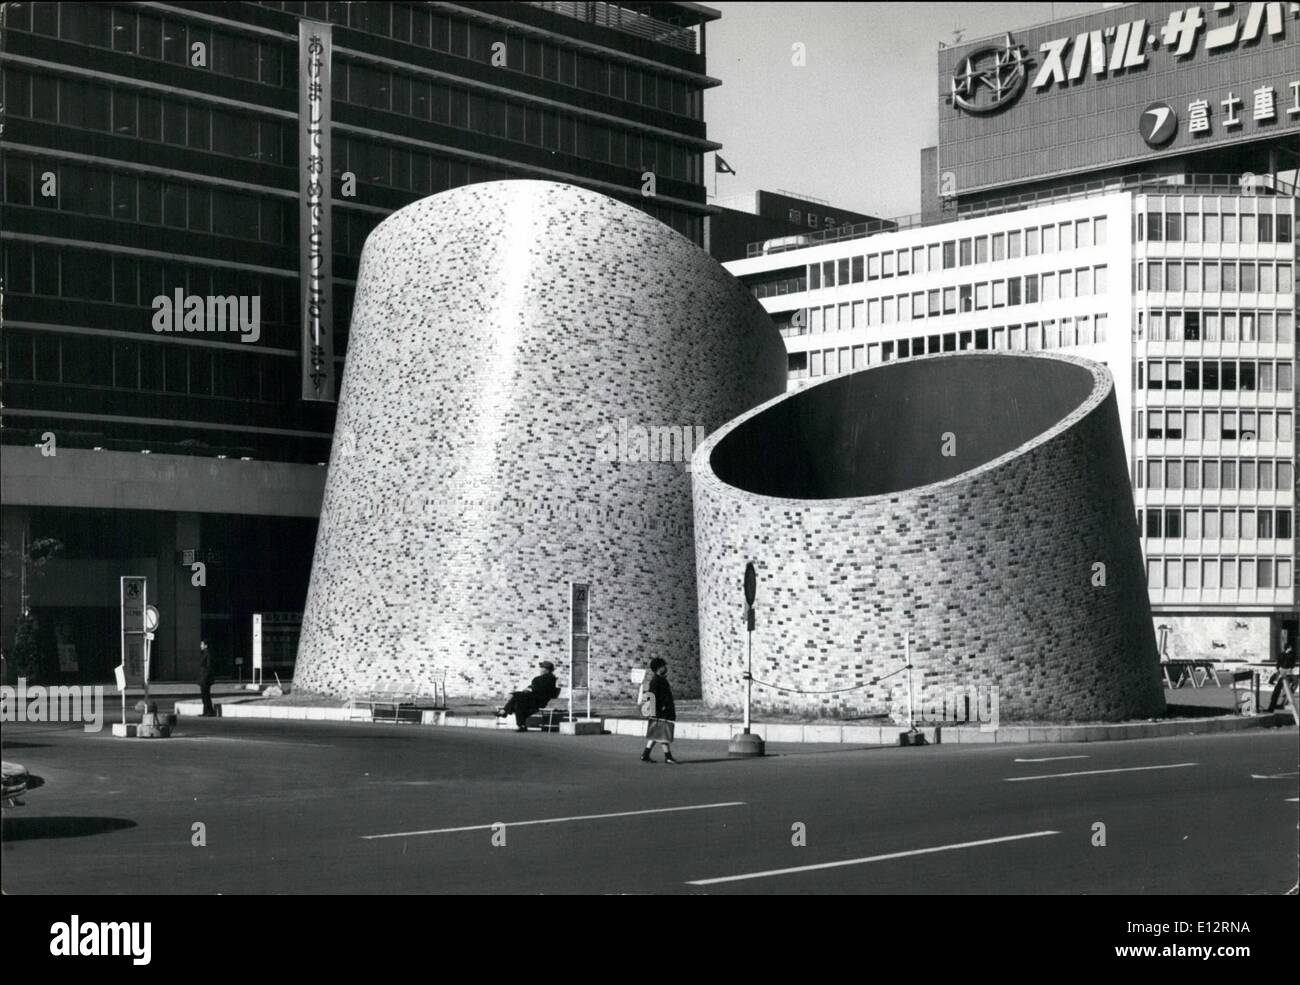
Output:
x=1001 y=71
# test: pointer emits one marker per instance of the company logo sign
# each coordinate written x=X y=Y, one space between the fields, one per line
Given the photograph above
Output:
x=1158 y=124
x=991 y=77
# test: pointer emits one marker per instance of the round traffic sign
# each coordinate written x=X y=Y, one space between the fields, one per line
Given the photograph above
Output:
x=150 y=618
x=751 y=583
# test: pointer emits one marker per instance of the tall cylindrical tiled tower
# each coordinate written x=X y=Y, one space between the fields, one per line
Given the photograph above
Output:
x=975 y=505
x=529 y=369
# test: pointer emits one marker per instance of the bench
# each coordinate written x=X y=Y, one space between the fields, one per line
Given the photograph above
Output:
x=401 y=701
x=546 y=719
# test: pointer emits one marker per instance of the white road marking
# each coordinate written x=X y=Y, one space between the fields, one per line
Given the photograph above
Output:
x=1049 y=759
x=869 y=858
x=1125 y=769
x=557 y=820
x=228 y=738
x=1274 y=776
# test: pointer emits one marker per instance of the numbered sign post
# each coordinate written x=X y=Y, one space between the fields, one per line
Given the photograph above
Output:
x=257 y=649
x=579 y=642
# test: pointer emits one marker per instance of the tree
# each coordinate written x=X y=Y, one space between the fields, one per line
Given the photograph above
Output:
x=29 y=657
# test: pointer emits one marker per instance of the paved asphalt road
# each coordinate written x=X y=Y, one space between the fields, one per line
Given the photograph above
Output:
x=294 y=808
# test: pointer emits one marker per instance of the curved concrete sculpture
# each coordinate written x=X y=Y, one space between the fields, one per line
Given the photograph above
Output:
x=529 y=369
x=979 y=503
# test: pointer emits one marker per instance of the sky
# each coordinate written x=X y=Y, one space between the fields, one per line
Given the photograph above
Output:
x=848 y=126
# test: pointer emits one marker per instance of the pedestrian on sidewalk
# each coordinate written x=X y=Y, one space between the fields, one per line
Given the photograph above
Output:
x=543 y=688
x=661 y=726
x=1285 y=666
x=207 y=674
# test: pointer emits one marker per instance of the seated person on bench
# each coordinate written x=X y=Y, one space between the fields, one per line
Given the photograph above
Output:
x=524 y=703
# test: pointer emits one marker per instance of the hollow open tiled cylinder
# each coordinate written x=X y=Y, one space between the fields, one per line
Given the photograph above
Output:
x=976 y=504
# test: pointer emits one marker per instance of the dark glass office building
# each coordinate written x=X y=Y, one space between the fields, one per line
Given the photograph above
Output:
x=174 y=319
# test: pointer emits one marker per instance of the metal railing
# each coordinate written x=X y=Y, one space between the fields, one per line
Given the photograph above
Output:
x=1160 y=184
x=625 y=20
x=771 y=289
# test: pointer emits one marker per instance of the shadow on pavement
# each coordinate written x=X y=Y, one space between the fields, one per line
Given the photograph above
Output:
x=34 y=828
x=25 y=745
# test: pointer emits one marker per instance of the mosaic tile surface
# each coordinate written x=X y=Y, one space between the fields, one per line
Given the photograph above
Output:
x=989 y=569
x=518 y=351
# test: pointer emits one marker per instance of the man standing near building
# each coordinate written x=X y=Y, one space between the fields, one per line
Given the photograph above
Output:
x=207 y=674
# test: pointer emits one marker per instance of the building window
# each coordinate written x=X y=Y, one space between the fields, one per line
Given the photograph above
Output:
x=1155 y=578
x=1155 y=424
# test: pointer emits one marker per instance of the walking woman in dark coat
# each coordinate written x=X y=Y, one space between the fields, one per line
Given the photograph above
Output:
x=660 y=727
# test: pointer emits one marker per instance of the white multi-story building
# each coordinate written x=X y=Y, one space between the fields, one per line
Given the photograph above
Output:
x=1183 y=285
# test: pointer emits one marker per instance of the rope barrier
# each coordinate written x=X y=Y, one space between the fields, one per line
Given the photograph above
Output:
x=794 y=690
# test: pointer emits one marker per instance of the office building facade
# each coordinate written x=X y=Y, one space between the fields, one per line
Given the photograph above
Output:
x=187 y=188
x=1078 y=207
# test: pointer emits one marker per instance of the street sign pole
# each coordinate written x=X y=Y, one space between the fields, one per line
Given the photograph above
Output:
x=748 y=744
x=907 y=659
x=151 y=621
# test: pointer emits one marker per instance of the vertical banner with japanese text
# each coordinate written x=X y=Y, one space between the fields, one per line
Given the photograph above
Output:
x=315 y=240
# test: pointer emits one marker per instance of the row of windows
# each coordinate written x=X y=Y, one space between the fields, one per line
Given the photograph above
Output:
x=1214 y=524
x=1216 y=425
x=427 y=173
x=1195 y=227
x=493 y=116
x=240 y=56
x=1213 y=474
x=1062 y=237
x=418 y=25
x=958 y=299
x=1051 y=334
x=1216 y=326
x=1215 y=374
x=152 y=201
x=162 y=39
x=200 y=127
x=161 y=119
x=150 y=366
x=1177 y=275
x=91 y=275
x=1218 y=573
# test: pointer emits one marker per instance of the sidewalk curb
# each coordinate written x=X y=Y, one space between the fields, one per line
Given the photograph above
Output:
x=858 y=735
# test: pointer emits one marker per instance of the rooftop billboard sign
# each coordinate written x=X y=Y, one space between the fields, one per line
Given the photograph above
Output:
x=1078 y=94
